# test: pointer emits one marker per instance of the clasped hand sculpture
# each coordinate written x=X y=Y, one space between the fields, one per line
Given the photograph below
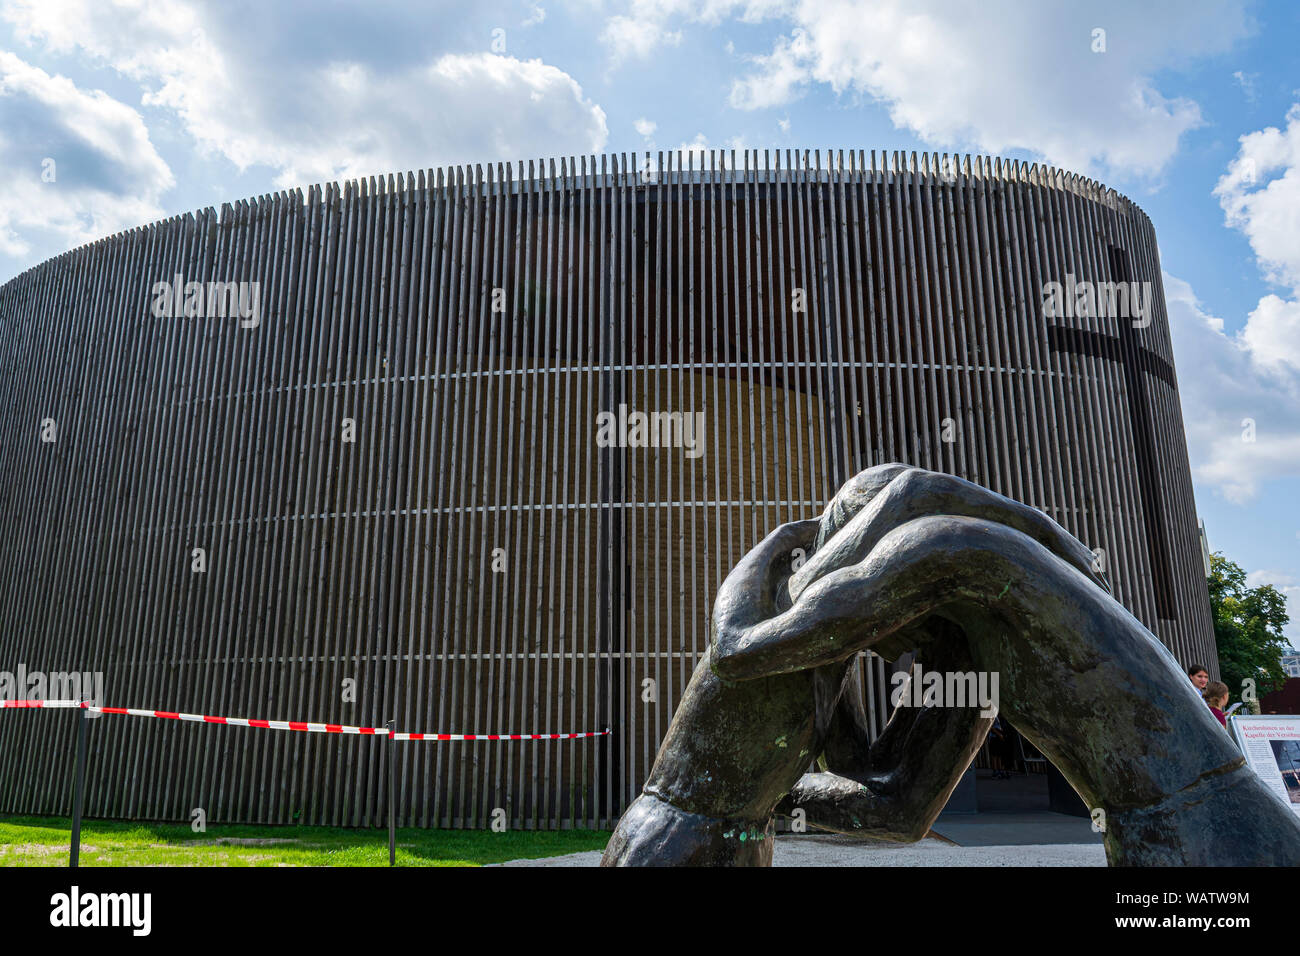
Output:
x=904 y=559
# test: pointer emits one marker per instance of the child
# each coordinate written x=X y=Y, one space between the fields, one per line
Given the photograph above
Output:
x=1216 y=695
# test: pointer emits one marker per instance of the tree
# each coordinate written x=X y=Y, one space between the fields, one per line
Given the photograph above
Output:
x=1248 y=626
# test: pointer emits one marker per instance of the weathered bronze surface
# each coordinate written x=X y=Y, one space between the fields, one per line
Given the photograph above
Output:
x=909 y=560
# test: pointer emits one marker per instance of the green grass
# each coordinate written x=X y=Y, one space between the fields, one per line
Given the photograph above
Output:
x=43 y=841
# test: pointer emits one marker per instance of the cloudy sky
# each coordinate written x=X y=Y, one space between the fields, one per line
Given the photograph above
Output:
x=1192 y=110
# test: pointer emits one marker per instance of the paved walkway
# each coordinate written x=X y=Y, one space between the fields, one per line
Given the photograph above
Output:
x=1015 y=829
x=834 y=850
x=1012 y=829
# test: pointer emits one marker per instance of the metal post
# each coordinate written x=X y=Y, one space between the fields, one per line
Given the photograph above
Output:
x=78 y=786
x=392 y=794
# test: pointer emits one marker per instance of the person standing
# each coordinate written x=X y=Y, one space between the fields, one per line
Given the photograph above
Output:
x=1199 y=677
x=1216 y=696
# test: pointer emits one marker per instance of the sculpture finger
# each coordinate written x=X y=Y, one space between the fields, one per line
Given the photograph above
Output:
x=755 y=587
x=916 y=568
x=914 y=493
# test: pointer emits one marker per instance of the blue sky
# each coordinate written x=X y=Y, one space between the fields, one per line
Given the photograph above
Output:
x=1192 y=110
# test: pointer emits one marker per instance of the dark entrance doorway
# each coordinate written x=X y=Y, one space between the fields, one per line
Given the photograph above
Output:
x=1012 y=776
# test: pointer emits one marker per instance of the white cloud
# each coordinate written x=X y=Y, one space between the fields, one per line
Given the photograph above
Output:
x=1260 y=195
x=77 y=164
x=999 y=76
x=1247 y=83
x=536 y=15
x=629 y=38
x=643 y=29
x=645 y=127
x=1272 y=334
x=281 y=100
x=1284 y=582
x=1225 y=381
x=779 y=78
x=1256 y=373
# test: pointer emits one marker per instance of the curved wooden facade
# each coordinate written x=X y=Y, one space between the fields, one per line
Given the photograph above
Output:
x=475 y=560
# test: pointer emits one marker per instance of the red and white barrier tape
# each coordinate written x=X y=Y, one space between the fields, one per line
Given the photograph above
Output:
x=307 y=726
x=590 y=733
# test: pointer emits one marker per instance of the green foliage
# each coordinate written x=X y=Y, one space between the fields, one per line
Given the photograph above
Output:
x=1248 y=626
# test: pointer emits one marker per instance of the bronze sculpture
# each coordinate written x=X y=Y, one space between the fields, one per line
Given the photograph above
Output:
x=904 y=559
